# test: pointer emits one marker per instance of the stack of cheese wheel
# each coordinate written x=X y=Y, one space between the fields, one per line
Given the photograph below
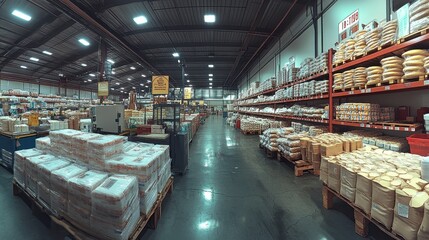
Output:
x=392 y=69
x=426 y=64
x=339 y=54
x=388 y=34
x=360 y=43
x=419 y=15
x=414 y=63
x=350 y=49
x=359 y=78
x=338 y=81
x=373 y=75
x=373 y=39
x=348 y=78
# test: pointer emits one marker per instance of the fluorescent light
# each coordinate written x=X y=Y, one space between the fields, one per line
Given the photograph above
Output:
x=142 y=90
x=149 y=81
x=209 y=18
x=176 y=54
x=21 y=15
x=92 y=74
x=83 y=64
x=140 y=19
x=84 y=42
x=34 y=59
x=190 y=85
x=210 y=83
x=129 y=79
x=178 y=60
x=188 y=81
x=84 y=81
x=47 y=53
x=186 y=74
x=122 y=88
x=113 y=72
x=147 y=86
x=134 y=87
x=22 y=66
x=132 y=68
x=210 y=79
x=141 y=84
x=122 y=91
x=143 y=75
x=111 y=61
x=210 y=75
x=211 y=66
x=112 y=89
x=210 y=87
x=117 y=83
x=89 y=80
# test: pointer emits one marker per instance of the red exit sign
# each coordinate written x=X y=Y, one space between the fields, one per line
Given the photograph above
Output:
x=348 y=21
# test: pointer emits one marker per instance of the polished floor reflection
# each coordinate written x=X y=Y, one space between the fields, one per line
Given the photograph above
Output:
x=231 y=191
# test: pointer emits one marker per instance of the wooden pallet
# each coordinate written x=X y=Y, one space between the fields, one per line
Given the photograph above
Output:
x=300 y=166
x=419 y=78
x=150 y=220
x=413 y=35
x=270 y=154
x=399 y=124
x=386 y=45
x=362 y=220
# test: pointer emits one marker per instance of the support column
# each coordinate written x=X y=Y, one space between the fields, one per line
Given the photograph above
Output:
x=102 y=57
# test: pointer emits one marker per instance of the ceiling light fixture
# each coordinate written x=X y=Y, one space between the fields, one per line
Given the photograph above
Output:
x=89 y=80
x=25 y=67
x=210 y=75
x=47 y=53
x=34 y=59
x=143 y=75
x=111 y=61
x=186 y=74
x=190 y=85
x=129 y=79
x=140 y=19
x=211 y=66
x=122 y=88
x=210 y=83
x=209 y=18
x=112 y=89
x=210 y=87
x=210 y=79
x=176 y=54
x=147 y=86
x=92 y=74
x=141 y=84
x=117 y=83
x=122 y=91
x=132 y=68
x=142 y=90
x=113 y=72
x=149 y=81
x=83 y=64
x=21 y=15
x=188 y=81
x=84 y=42
x=134 y=87
x=84 y=81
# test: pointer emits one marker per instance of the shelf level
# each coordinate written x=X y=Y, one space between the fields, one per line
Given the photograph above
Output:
x=385 y=89
x=272 y=115
x=316 y=97
x=376 y=126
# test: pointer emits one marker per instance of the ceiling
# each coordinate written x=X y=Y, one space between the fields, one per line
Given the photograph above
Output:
x=243 y=29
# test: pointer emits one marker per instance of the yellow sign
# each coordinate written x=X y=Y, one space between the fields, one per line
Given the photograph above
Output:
x=103 y=89
x=201 y=102
x=188 y=93
x=160 y=85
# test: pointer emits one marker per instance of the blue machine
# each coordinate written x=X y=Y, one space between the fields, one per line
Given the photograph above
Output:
x=11 y=143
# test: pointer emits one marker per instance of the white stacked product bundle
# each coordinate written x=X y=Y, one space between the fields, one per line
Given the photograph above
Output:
x=44 y=171
x=296 y=88
x=250 y=125
x=79 y=147
x=291 y=146
x=43 y=144
x=304 y=70
x=30 y=170
x=59 y=187
x=282 y=76
x=103 y=148
x=292 y=74
x=19 y=166
x=321 y=87
x=268 y=110
x=419 y=15
x=386 y=185
x=322 y=62
x=85 y=125
x=270 y=139
x=115 y=207
x=297 y=127
x=164 y=174
x=80 y=188
x=339 y=54
x=58 y=125
x=364 y=112
x=388 y=35
x=61 y=141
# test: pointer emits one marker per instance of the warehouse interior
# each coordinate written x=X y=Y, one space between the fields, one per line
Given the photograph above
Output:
x=211 y=119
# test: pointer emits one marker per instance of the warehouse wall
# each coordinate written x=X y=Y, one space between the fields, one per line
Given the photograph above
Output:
x=299 y=39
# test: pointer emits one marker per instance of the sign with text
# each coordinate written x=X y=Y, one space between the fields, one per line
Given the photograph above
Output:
x=103 y=89
x=160 y=85
x=349 y=21
x=188 y=93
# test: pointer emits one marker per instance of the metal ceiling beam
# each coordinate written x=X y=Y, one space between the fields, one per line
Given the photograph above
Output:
x=193 y=44
x=115 y=3
x=79 y=15
x=37 y=43
x=198 y=28
x=263 y=43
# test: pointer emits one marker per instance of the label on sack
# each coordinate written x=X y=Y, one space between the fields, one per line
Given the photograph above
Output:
x=403 y=210
x=375 y=206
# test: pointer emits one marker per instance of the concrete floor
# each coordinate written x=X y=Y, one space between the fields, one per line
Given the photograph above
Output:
x=231 y=191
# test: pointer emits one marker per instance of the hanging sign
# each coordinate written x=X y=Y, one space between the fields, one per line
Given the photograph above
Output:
x=403 y=20
x=160 y=85
x=188 y=93
x=103 y=89
x=350 y=22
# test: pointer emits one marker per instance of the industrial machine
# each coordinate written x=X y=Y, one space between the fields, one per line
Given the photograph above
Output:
x=108 y=119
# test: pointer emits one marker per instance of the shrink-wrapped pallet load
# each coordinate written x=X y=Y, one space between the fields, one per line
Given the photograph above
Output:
x=80 y=146
x=103 y=148
x=115 y=207
x=419 y=15
x=374 y=75
x=31 y=172
x=45 y=170
x=19 y=166
x=43 y=144
x=388 y=34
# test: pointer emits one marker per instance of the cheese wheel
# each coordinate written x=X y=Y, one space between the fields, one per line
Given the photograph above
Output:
x=415 y=8
x=392 y=76
x=419 y=15
x=390 y=58
x=413 y=75
x=389 y=32
x=374 y=73
x=416 y=57
x=412 y=69
x=415 y=52
x=392 y=65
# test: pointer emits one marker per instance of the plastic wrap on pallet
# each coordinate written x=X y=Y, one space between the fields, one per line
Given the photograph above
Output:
x=31 y=171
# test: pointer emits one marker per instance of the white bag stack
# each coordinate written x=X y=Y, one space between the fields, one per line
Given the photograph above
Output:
x=79 y=198
x=103 y=148
x=43 y=144
x=44 y=171
x=62 y=140
x=31 y=175
x=19 y=164
x=115 y=207
x=80 y=146
x=59 y=187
